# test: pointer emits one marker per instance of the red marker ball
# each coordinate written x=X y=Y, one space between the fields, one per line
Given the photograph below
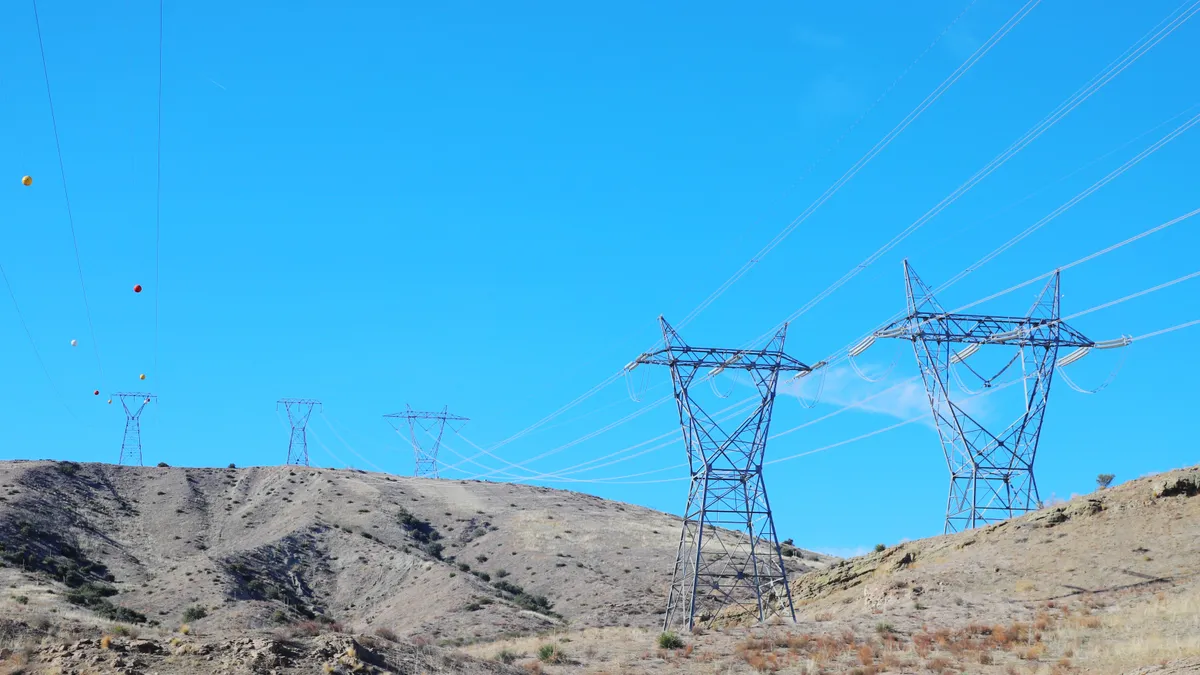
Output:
x=96 y=393
x=137 y=288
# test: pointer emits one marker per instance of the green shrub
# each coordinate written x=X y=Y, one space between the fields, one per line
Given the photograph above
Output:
x=163 y=465
x=551 y=653
x=21 y=599
x=194 y=613
x=507 y=656
x=669 y=640
x=880 y=547
x=501 y=573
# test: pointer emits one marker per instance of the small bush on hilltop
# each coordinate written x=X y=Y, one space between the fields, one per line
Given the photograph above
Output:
x=194 y=613
x=1104 y=480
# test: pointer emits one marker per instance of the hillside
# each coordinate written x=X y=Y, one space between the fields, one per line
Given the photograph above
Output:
x=1105 y=583
x=289 y=570
x=271 y=548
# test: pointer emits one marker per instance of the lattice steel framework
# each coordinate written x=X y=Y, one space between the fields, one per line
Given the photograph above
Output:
x=729 y=557
x=991 y=474
x=298 y=411
x=425 y=458
x=131 y=443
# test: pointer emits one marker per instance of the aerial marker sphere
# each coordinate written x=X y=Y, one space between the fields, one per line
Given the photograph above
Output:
x=110 y=401
x=74 y=342
x=27 y=180
x=137 y=288
x=142 y=376
x=96 y=393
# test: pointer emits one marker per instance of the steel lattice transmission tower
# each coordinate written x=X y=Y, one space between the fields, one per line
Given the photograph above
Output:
x=729 y=556
x=131 y=443
x=425 y=458
x=298 y=412
x=991 y=474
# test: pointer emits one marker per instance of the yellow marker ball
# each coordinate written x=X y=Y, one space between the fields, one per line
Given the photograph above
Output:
x=27 y=180
x=142 y=376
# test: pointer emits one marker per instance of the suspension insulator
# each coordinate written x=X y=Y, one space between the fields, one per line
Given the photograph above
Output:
x=1073 y=356
x=1123 y=341
x=964 y=353
x=862 y=346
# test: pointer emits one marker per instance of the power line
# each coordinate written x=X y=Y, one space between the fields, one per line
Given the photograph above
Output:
x=1116 y=67
x=33 y=344
x=1164 y=331
x=928 y=101
x=66 y=194
x=158 y=186
x=866 y=159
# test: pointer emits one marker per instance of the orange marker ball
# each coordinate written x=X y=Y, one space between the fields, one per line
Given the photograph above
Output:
x=142 y=376
x=27 y=180
x=137 y=288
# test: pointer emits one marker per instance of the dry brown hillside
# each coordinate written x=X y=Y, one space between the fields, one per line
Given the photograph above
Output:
x=270 y=549
x=294 y=570
x=1105 y=583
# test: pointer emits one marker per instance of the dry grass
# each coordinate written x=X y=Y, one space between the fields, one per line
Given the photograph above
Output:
x=1135 y=637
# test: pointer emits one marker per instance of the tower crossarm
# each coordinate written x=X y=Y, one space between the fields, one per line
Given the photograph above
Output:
x=427 y=416
x=725 y=359
x=1014 y=331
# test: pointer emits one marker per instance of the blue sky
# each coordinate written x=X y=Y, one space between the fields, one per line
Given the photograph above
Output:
x=488 y=208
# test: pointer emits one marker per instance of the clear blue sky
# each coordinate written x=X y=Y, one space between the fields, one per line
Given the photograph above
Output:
x=488 y=208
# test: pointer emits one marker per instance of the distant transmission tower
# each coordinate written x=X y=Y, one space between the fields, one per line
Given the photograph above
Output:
x=717 y=569
x=432 y=423
x=298 y=412
x=131 y=443
x=991 y=475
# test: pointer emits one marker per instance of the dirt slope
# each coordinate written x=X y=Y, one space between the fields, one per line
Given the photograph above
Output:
x=270 y=547
x=1106 y=583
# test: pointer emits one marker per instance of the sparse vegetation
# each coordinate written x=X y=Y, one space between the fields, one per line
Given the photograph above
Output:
x=880 y=547
x=1104 y=480
x=669 y=640
x=551 y=653
x=163 y=465
x=194 y=613
x=507 y=656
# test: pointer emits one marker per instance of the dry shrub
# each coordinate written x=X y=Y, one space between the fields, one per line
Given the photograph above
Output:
x=824 y=616
x=866 y=656
x=985 y=659
x=386 y=633
x=938 y=664
x=1032 y=653
x=922 y=644
x=106 y=642
x=534 y=668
